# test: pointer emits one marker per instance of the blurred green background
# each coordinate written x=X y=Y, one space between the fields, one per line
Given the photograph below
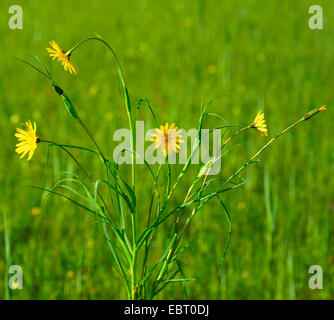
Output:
x=177 y=54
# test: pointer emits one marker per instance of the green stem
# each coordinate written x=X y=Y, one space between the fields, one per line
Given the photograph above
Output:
x=306 y=117
x=147 y=241
x=132 y=130
x=71 y=155
x=177 y=221
x=98 y=206
x=188 y=193
x=93 y=140
x=273 y=139
x=133 y=275
x=125 y=91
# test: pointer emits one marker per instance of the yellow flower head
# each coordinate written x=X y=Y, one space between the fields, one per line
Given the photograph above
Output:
x=323 y=108
x=167 y=138
x=260 y=124
x=27 y=140
x=63 y=56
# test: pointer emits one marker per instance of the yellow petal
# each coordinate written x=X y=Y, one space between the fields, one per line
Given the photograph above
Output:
x=31 y=153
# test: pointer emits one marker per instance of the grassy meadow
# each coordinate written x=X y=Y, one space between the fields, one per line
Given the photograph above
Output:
x=178 y=55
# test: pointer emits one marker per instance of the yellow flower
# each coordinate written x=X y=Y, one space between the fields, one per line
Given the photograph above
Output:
x=323 y=108
x=168 y=140
x=63 y=57
x=260 y=124
x=27 y=140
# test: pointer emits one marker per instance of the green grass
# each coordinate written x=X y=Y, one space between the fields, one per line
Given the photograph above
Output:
x=264 y=57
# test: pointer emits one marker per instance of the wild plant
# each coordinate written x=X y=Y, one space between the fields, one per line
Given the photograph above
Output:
x=113 y=198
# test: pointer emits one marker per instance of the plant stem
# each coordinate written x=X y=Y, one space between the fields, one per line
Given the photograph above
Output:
x=307 y=116
x=233 y=135
x=132 y=130
x=133 y=275
x=71 y=155
x=125 y=91
x=177 y=221
x=147 y=241
x=98 y=206
x=93 y=140
x=276 y=137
